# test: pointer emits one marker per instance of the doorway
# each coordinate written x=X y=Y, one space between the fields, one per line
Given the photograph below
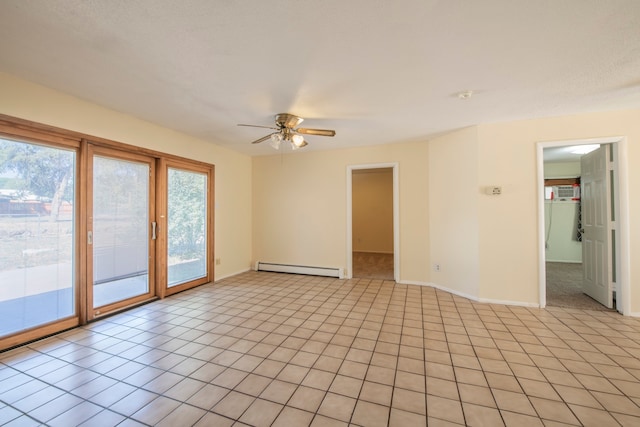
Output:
x=121 y=250
x=372 y=218
x=583 y=257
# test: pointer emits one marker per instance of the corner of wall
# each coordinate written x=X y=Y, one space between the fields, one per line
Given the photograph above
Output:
x=453 y=211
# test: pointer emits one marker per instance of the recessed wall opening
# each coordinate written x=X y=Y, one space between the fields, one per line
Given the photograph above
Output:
x=372 y=222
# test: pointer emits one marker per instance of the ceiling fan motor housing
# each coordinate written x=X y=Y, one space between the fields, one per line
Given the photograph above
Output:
x=285 y=120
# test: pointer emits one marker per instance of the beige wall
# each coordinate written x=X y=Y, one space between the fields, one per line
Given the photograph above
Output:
x=453 y=211
x=486 y=246
x=25 y=100
x=292 y=208
x=300 y=206
x=372 y=210
x=508 y=231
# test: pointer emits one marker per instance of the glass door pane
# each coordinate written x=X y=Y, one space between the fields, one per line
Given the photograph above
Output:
x=120 y=241
x=37 y=235
x=187 y=226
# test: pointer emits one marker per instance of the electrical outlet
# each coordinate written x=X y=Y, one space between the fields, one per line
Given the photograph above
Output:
x=218 y=261
x=493 y=190
x=436 y=267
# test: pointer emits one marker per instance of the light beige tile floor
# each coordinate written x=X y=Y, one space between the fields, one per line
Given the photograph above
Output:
x=269 y=349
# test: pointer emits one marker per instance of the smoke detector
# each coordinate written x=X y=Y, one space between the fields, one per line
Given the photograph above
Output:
x=465 y=94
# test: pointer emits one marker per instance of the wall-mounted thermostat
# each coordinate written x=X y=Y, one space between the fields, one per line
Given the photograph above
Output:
x=493 y=190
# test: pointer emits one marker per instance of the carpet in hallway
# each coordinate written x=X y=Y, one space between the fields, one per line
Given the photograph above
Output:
x=369 y=265
x=564 y=287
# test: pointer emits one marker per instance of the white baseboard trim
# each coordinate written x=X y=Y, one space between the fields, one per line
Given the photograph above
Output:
x=633 y=314
x=442 y=288
x=472 y=297
x=217 y=279
x=565 y=261
x=506 y=302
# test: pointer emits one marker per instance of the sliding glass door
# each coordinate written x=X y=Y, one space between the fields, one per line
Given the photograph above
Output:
x=37 y=237
x=121 y=229
x=89 y=228
x=187 y=221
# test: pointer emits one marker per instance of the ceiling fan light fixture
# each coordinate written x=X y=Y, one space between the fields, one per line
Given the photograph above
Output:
x=297 y=147
x=297 y=140
x=276 y=140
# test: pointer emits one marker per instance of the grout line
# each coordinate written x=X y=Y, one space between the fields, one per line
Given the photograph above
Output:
x=289 y=302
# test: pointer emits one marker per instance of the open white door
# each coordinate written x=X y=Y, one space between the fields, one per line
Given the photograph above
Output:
x=596 y=225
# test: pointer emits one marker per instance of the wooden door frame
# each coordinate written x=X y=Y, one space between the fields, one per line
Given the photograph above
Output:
x=621 y=202
x=113 y=153
x=162 y=207
x=14 y=132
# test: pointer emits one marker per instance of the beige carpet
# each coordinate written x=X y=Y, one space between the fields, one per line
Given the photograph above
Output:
x=367 y=265
x=564 y=287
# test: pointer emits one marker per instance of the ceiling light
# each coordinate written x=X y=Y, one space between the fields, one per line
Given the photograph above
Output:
x=465 y=94
x=276 y=139
x=584 y=149
x=297 y=141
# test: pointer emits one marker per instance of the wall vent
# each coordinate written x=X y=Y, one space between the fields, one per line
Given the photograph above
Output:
x=300 y=269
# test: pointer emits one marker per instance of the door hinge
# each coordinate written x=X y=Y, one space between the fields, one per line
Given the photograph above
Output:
x=90 y=238
x=154 y=226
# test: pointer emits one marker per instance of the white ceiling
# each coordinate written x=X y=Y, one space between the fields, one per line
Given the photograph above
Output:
x=565 y=154
x=376 y=71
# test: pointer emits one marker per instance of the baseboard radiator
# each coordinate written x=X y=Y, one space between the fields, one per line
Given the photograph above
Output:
x=300 y=269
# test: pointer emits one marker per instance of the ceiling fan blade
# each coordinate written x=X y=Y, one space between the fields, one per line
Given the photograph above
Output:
x=264 y=138
x=320 y=132
x=258 y=126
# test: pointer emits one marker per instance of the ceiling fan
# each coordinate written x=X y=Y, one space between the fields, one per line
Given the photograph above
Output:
x=285 y=130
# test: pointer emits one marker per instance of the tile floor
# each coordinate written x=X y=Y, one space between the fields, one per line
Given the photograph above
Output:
x=270 y=349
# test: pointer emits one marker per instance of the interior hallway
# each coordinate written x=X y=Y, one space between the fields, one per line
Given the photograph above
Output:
x=564 y=287
x=290 y=350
